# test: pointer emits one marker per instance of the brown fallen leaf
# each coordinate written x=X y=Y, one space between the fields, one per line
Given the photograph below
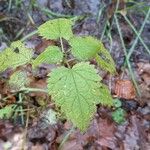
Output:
x=11 y=136
x=44 y=43
x=125 y=89
x=112 y=7
x=143 y=68
x=144 y=72
x=145 y=93
x=106 y=134
x=39 y=84
x=135 y=135
x=144 y=76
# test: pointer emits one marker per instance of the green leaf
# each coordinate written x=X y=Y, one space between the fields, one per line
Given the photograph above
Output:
x=51 y=55
x=18 y=80
x=105 y=96
x=105 y=60
x=17 y=54
x=56 y=28
x=117 y=103
x=77 y=91
x=6 y=112
x=84 y=48
x=119 y=115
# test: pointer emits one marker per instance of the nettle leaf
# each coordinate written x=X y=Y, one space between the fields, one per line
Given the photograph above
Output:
x=56 y=28
x=17 y=54
x=77 y=91
x=84 y=48
x=105 y=96
x=18 y=80
x=51 y=55
x=104 y=60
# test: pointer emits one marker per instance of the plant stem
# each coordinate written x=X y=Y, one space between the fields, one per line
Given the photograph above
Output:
x=24 y=90
x=103 y=32
x=21 y=108
x=127 y=60
x=25 y=130
x=137 y=34
x=63 y=50
x=33 y=90
x=116 y=8
x=29 y=35
x=62 y=46
x=9 y=5
x=50 y=13
x=102 y=7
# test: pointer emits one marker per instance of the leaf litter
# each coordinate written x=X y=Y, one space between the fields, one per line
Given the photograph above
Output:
x=103 y=133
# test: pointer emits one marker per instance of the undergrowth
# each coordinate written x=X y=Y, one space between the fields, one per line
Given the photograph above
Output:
x=76 y=88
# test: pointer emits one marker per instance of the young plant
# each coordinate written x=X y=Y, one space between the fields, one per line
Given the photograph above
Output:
x=76 y=89
x=118 y=114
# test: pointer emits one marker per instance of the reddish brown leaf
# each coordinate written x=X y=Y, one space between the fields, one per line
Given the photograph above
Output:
x=44 y=43
x=125 y=89
x=107 y=134
x=112 y=8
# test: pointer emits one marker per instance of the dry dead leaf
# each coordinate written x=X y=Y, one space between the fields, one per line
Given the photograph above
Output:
x=112 y=7
x=134 y=135
x=144 y=74
x=106 y=134
x=125 y=89
x=143 y=68
x=40 y=84
x=44 y=43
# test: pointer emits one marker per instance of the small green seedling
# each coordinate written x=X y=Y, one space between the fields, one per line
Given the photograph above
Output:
x=119 y=114
x=76 y=89
x=117 y=103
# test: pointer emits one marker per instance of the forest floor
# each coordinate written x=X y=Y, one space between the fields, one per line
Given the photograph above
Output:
x=100 y=19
